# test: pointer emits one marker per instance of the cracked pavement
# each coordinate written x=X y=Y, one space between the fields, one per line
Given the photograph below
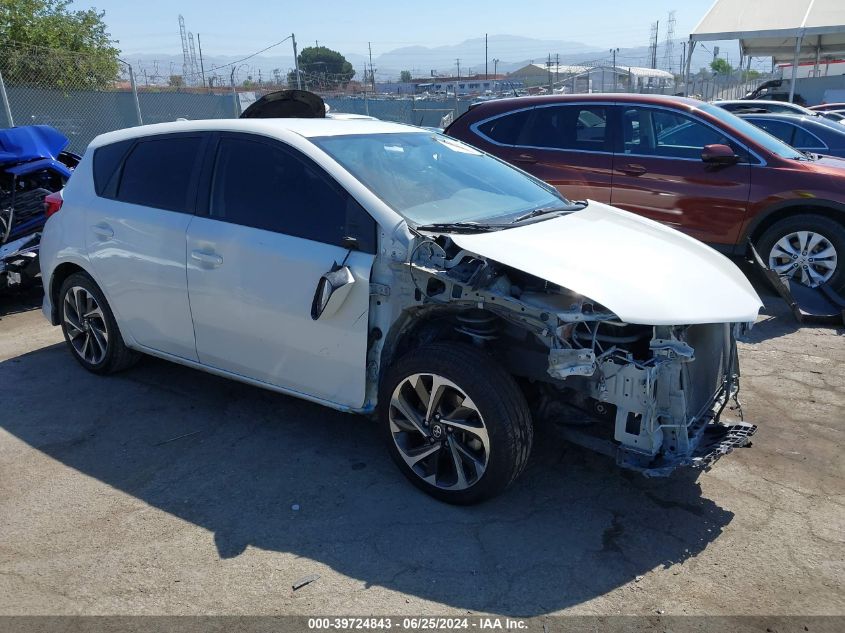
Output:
x=164 y=490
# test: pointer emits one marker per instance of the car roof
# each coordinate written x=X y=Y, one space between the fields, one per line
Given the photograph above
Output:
x=620 y=97
x=279 y=128
x=795 y=118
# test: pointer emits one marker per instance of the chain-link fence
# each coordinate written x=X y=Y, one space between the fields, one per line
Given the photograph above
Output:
x=86 y=95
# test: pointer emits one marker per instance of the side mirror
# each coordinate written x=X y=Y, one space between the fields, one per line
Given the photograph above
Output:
x=332 y=290
x=719 y=155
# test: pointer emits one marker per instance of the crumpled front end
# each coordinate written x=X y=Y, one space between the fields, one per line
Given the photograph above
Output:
x=649 y=394
x=666 y=400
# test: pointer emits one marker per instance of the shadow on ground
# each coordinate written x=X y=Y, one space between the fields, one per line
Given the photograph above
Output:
x=233 y=459
x=17 y=301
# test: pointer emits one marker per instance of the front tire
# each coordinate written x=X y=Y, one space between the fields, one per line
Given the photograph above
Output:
x=456 y=423
x=807 y=248
x=89 y=327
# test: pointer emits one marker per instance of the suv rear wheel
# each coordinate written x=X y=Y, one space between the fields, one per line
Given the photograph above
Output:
x=808 y=248
x=89 y=327
x=456 y=423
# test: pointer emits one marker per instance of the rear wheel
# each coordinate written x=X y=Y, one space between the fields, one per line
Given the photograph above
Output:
x=455 y=422
x=807 y=248
x=89 y=327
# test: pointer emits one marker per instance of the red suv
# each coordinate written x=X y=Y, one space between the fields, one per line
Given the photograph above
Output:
x=683 y=162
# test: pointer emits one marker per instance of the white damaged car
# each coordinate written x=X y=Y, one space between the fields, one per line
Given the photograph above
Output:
x=379 y=268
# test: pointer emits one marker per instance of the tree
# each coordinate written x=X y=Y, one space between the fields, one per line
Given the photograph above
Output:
x=45 y=43
x=405 y=76
x=323 y=66
x=721 y=66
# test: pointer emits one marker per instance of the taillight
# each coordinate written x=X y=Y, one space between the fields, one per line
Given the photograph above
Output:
x=52 y=203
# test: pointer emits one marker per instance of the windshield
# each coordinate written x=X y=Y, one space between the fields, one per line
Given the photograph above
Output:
x=759 y=136
x=434 y=179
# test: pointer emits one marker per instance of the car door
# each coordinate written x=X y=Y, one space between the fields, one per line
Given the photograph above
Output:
x=658 y=173
x=272 y=223
x=570 y=147
x=136 y=236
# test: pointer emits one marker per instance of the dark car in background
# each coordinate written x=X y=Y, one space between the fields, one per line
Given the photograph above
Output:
x=682 y=162
x=805 y=133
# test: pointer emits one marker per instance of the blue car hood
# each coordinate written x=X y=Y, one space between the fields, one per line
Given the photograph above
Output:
x=22 y=144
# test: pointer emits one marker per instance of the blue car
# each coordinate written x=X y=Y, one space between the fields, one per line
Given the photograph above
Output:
x=812 y=134
x=33 y=164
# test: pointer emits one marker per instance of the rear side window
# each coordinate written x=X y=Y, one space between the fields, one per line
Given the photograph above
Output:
x=160 y=173
x=261 y=185
x=569 y=127
x=107 y=160
x=779 y=129
x=505 y=129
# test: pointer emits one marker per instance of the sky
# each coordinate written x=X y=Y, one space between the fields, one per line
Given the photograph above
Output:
x=245 y=26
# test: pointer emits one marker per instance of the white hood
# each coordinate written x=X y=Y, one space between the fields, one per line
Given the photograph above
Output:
x=642 y=271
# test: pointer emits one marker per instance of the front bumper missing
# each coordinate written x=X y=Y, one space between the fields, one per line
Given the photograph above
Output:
x=715 y=440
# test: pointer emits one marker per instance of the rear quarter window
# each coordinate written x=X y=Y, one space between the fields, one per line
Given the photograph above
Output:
x=505 y=129
x=107 y=161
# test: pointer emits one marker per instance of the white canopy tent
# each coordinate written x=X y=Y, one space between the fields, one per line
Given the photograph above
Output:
x=787 y=30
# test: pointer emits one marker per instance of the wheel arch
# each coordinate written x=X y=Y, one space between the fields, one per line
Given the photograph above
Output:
x=60 y=273
x=777 y=212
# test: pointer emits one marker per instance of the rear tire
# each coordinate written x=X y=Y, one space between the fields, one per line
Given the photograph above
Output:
x=781 y=247
x=90 y=329
x=479 y=422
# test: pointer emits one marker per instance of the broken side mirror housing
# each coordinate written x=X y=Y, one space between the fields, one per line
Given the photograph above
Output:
x=719 y=154
x=332 y=290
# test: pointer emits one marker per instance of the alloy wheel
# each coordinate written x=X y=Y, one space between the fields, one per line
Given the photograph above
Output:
x=439 y=431
x=85 y=325
x=806 y=256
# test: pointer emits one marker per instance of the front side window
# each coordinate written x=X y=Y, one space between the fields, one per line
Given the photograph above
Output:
x=568 y=127
x=802 y=139
x=261 y=185
x=431 y=178
x=667 y=134
x=159 y=173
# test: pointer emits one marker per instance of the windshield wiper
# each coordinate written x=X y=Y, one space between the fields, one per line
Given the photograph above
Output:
x=460 y=226
x=547 y=210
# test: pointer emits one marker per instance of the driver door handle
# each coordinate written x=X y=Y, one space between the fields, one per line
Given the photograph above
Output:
x=209 y=259
x=633 y=169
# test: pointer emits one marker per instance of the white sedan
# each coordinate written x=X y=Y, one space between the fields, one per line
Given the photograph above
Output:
x=380 y=268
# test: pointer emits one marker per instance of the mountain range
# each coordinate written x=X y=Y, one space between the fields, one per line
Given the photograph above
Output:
x=511 y=51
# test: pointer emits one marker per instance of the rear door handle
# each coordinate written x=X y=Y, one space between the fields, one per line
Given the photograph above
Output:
x=103 y=231
x=209 y=259
x=634 y=170
x=525 y=159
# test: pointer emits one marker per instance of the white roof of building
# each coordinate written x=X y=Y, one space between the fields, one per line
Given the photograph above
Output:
x=636 y=71
x=306 y=128
x=769 y=27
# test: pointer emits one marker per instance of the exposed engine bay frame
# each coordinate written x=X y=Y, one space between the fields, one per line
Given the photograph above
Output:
x=661 y=389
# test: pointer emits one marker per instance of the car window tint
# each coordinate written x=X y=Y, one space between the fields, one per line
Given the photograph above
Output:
x=261 y=185
x=578 y=127
x=157 y=173
x=804 y=140
x=663 y=133
x=107 y=159
x=505 y=129
x=778 y=129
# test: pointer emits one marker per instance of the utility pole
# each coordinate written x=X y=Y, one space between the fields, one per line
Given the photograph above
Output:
x=557 y=67
x=296 y=63
x=486 y=75
x=614 y=51
x=366 y=101
x=202 y=67
x=458 y=63
x=372 y=74
x=549 y=70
